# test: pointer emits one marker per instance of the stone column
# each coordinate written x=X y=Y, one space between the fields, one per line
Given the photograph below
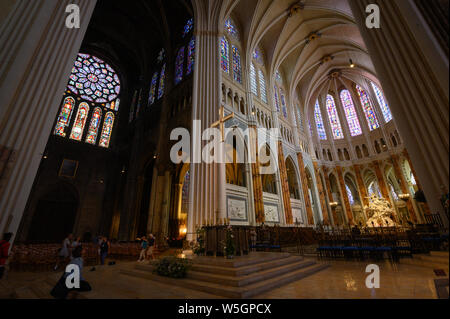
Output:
x=323 y=203
x=37 y=53
x=257 y=181
x=347 y=206
x=305 y=188
x=284 y=185
x=412 y=66
x=207 y=193
x=361 y=186
x=381 y=181
x=404 y=186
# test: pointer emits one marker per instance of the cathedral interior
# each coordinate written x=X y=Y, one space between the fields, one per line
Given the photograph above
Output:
x=302 y=68
x=349 y=99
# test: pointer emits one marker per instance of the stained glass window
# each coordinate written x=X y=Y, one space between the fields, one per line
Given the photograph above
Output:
x=382 y=102
x=253 y=84
x=188 y=27
x=350 y=195
x=300 y=120
x=393 y=192
x=278 y=77
x=94 y=80
x=262 y=86
x=310 y=128
x=179 y=64
x=368 y=109
x=237 y=69
x=319 y=122
x=283 y=104
x=350 y=113
x=190 y=57
x=80 y=122
x=162 y=81
x=64 y=117
x=93 y=126
x=107 y=130
x=225 y=55
x=277 y=102
x=231 y=28
x=334 y=118
x=257 y=56
x=152 y=95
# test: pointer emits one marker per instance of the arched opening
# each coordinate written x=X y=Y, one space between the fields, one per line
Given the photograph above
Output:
x=355 y=200
x=312 y=195
x=294 y=189
x=59 y=206
x=358 y=153
x=145 y=202
x=269 y=181
x=339 y=218
x=235 y=162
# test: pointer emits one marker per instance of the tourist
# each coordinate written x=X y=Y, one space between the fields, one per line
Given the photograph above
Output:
x=76 y=242
x=144 y=248
x=4 y=252
x=151 y=245
x=65 y=251
x=104 y=249
x=60 y=291
x=253 y=238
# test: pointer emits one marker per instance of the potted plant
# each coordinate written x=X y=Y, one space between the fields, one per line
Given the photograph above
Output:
x=229 y=248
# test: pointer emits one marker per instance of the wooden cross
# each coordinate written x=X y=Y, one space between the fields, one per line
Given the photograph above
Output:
x=221 y=122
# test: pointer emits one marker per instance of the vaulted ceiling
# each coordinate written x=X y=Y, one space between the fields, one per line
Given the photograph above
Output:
x=299 y=43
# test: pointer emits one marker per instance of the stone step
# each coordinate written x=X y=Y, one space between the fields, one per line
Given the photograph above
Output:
x=423 y=263
x=443 y=254
x=241 y=281
x=255 y=258
x=42 y=289
x=219 y=289
x=245 y=270
x=434 y=259
x=25 y=293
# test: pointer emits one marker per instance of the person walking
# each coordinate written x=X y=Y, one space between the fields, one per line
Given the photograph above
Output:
x=65 y=251
x=151 y=245
x=144 y=249
x=104 y=249
x=4 y=252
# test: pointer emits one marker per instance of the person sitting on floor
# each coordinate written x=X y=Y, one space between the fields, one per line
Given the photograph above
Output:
x=61 y=291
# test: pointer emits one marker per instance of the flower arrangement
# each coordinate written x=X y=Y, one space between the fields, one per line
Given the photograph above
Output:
x=199 y=246
x=229 y=247
x=172 y=267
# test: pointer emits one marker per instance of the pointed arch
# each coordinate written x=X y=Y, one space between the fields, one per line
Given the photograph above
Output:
x=80 y=122
x=368 y=109
x=333 y=117
x=64 y=116
x=94 y=126
x=350 y=113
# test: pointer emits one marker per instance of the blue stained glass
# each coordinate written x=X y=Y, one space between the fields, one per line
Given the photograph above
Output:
x=262 y=86
x=179 y=64
x=372 y=120
x=162 y=81
x=224 y=55
x=152 y=95
x=319 y=122
x=382 y=102
x=334 y=118
x=237 y=68
x=350 y=113
x=277 y=103
x=231 y=28
x=283 y=105
x=253 y=85
x=190 y=57
x=188 y=27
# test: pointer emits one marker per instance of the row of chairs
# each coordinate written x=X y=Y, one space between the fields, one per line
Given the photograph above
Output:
x=43 y=257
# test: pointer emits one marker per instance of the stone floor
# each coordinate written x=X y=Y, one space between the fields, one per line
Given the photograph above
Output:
x=342 y=280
